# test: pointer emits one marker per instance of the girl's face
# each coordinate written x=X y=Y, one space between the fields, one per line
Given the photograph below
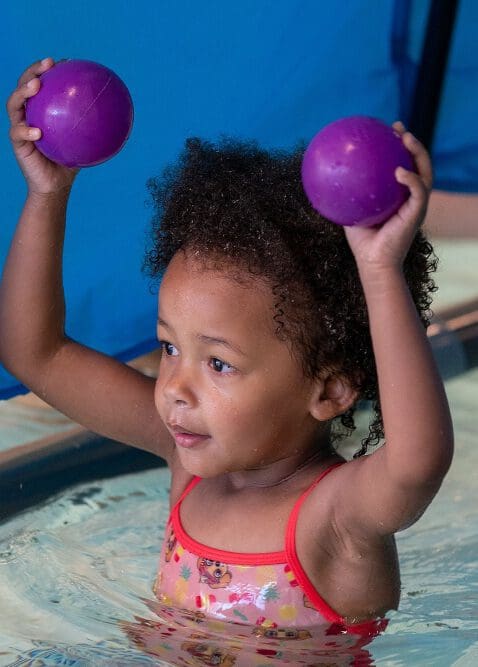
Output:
x=230 y=392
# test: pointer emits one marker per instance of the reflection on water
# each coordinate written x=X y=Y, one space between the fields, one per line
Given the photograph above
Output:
x=76 y=576
x=188 y=638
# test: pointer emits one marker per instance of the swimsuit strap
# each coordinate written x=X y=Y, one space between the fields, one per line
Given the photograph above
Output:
x=195 y=480
x=293 y=559
x=296 y=509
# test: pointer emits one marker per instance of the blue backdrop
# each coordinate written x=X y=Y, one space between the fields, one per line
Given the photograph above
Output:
x=274 y=70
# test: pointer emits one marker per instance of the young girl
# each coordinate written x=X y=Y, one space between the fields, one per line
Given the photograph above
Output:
x=273 y=323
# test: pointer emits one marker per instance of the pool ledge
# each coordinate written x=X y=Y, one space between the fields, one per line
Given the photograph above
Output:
x=33 y=472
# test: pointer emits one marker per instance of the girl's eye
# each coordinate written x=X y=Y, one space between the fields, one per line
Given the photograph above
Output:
x=221 y=366
x=168 y=348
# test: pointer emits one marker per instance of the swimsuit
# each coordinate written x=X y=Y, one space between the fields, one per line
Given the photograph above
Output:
x=231 y=609
x=265 y=590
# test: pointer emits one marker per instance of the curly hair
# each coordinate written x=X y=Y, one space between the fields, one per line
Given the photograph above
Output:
x=245 y=206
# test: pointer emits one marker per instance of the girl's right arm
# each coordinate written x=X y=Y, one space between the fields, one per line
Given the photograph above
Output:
x=100 y=393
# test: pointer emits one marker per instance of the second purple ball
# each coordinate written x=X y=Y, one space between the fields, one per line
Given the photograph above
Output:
x=348 y=171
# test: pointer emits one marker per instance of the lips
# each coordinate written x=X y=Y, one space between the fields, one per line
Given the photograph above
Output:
x=186 y=438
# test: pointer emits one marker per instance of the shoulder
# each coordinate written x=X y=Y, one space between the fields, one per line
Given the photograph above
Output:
x=338 y=555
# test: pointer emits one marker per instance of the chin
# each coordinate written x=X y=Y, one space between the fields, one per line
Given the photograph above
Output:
x=201 y=466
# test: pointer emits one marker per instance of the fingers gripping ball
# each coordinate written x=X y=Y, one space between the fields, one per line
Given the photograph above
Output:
x=348 y=171
x=84 y=111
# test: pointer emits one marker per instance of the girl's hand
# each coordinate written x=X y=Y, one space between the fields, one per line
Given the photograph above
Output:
x=386 y=246
x=42 y=175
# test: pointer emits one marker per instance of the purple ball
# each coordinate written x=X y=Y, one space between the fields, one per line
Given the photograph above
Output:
x=84 y=111
x=348 y=171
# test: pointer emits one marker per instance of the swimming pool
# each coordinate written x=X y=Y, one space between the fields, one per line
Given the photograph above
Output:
x=76 y=566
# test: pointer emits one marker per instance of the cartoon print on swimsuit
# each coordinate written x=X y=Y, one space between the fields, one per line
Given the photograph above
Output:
x=282 y=633
x=213 y=573
x=209 y=654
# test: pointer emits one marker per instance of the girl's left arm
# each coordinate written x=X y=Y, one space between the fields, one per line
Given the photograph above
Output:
x=392 y=487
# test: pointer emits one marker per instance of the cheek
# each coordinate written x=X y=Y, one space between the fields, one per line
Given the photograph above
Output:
x=246 y=411
x=220 y=408
x=283 y=406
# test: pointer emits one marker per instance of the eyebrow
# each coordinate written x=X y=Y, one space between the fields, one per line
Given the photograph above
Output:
x=211 y=340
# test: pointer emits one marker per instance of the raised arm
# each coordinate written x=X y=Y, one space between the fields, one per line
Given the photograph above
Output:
x=91 y=388
x=391 y=488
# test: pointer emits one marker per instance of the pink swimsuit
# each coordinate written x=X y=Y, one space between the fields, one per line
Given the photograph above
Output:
x=267 y=590
x=205 y=594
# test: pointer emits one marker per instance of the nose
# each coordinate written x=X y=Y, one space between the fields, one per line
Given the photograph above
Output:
x=175 y=384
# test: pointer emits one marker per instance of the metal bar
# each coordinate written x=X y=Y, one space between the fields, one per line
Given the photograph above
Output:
x=431 y=72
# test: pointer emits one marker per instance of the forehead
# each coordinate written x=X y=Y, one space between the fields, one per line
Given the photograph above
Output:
x=213 y=292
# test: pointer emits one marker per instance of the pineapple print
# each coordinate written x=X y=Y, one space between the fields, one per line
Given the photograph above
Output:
x=181 y=588
x=270 y=593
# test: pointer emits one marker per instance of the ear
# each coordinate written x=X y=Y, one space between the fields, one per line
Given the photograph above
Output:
x=331 y=396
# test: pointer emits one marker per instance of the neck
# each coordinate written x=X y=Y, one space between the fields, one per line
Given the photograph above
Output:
x=279 y=472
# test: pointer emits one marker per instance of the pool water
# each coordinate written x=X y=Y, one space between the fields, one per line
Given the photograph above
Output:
x=75 y=572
